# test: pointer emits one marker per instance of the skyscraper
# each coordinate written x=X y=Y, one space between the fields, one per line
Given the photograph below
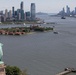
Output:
x=10 y=14
x=18 y=14
x=27 y=15
x=1 y=12
x=63 y=13
x=22 y=14
x=22 y=10
x=6 y=14
x=21 y=5
x=68 y=10
x=75 y=10
x=13 y=12
x=33 y=11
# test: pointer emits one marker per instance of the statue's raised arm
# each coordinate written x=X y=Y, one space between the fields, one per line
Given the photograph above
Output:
x=1 y=53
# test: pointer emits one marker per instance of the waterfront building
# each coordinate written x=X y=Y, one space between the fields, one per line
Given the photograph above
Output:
x=63 y=12
x=22 y=14
x=13 y=12
x=75 y=10
x=25 y=16
x=6 y=14
x=28 y=16
x=33 y=11
x=10 y=14
x=15 y=15
x=2 y=18
x=21 y=5
x=67 y=10
x=1 y=12
x=18 y=14
x=22 y=10
x=72 y=13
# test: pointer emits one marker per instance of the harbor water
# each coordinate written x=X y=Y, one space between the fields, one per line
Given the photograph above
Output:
x=43 y=53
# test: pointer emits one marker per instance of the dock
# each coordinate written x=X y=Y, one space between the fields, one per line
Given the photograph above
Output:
x=67 y=71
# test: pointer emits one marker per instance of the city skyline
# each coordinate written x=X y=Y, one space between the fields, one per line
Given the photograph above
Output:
x=48 y=6
x=19 y=14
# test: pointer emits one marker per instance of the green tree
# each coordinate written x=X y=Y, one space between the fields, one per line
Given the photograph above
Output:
x=12 y=70
x=9 y=70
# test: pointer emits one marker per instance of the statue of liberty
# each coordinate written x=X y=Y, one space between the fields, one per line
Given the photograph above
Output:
x=2 y=65
x=1 y=53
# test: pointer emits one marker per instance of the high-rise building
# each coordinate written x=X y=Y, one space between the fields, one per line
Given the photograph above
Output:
x=68 y=10
x=1 y=12
x=10 y=15
x=6 y=14
x=33 y=11
x=13 y=12
x=22 y=15
x=72 y=13
x=63 y=12
x=18 y=14
x=22 y=11
x=21 y=5
x=15 y=15
x=27 y=15
x=75 y=10
x=0 y=18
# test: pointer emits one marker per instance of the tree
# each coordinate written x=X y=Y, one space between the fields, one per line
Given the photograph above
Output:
x=12 y=70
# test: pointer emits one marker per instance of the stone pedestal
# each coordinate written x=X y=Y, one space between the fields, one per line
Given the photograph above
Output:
x=2 y=69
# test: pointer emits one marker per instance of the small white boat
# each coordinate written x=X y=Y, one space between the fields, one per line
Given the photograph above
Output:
x=24 y=24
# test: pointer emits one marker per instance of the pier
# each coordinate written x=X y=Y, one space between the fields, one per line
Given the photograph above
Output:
x=67 y=71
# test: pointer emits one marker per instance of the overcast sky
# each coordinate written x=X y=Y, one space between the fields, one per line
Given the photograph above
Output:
x=49 y=6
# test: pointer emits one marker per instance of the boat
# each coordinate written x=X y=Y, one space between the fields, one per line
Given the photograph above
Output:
x=24 y=24
x=63 y=18
x=55 y=32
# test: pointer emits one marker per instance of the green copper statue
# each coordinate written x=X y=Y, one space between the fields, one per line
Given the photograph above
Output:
x=1 y=53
